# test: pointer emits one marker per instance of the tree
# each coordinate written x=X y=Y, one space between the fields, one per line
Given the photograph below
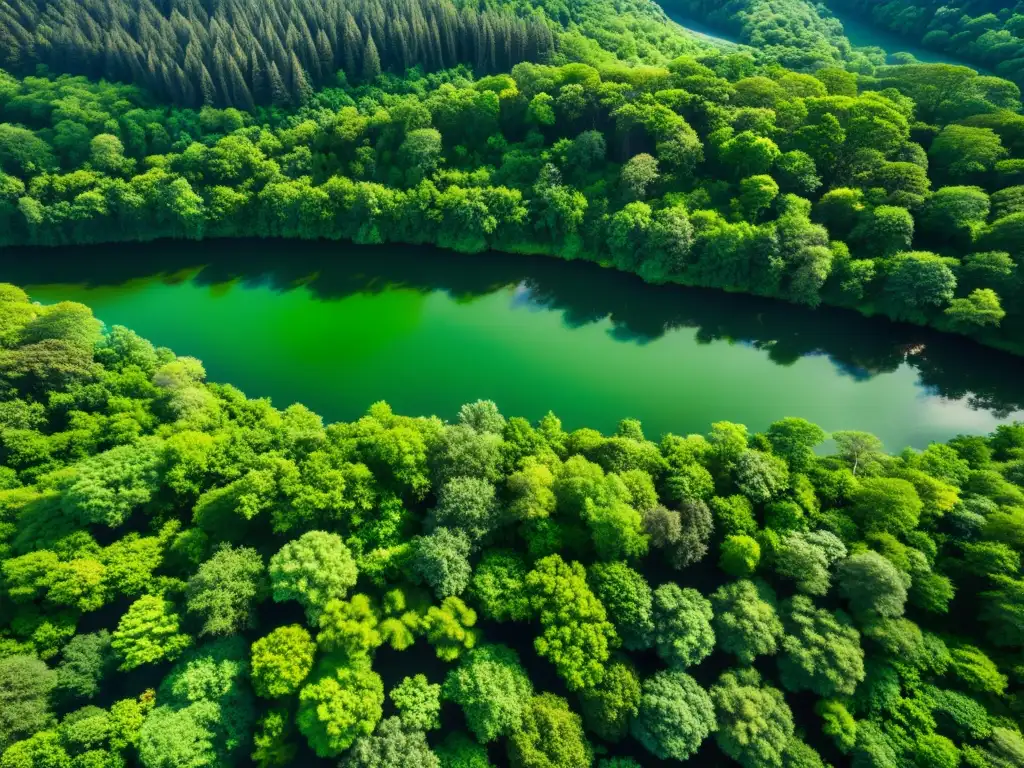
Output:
x=919 y=279
x=638 y=173
x=498 y=586
x=349 y=628
x=530 y=489
x=225 y=589
x=837 y=723
x=205 y=714
x=392 y=745
x=761 y=476
x=106 y=154
x=148 y=632
x=25 y=687
x=85 y=661
x=627 y=598
x=106 y=488
x=577 y=637
x=281 y=661
x=460 y=751
x=675 y=717
x=1003 y=748
x=757 y=193
x=747 y=154
x=955 y=212
x=797 y=174
x=980 y=309
x=272 y=743
x=441 y=560
x=740 y=556
x=371 y=61
x=493 y=690
x=449 y=628
x=857 y=448
x=609 y=707
x=467 y=504
x=935 y=751
x=628 y=232
x=482 y=416
x=1002 y=609
x=696 y=526
x=341 y=704
x=418 y=703
x=129 y=564
x=963 y=154
x=420 y=153
x=43 y=749
x=872 y=585
x=886 y=230
x=551 y=735
x=807 y=558
x=669 y=241
x=23 y=153
x=820 y=652
x=872 y=746
x=886 y=505
x=312 y=569
x=754 y=721
x=794 y=439
x=682 y=626
x=745 y=620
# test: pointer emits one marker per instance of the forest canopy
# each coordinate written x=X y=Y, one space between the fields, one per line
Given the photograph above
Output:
x=192 y=577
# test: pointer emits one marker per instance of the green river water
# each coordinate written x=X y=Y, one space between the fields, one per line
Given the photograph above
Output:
x=338 y=327
x=860 y=32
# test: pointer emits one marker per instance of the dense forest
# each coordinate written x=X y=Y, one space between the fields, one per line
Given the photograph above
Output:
x=193 y=578
x=899 y=192
x=242 y=53
x=602 y=132
x=190 y=578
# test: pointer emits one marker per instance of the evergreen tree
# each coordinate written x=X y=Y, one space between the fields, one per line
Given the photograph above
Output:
x=371 y=61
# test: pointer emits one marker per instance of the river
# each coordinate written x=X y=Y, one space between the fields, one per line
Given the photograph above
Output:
x=860 y=33
x=338 y=327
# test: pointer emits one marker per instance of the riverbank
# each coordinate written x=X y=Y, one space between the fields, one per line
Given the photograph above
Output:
x=862 y=33
x=339 y=326
x=1001 y=339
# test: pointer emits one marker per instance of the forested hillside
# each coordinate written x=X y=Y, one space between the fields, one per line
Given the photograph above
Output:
x=192 y=578
x=241 y=54
x=900 y=192
x=603 y=132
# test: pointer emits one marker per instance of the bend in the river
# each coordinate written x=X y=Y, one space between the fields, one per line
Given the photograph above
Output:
x=859 y=32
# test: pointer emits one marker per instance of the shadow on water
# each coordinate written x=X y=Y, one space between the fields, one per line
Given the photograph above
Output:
x=583 y=293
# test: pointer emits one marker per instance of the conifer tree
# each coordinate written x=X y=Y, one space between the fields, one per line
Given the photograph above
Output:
x=278 y=93
x=301 y=91
x=371 y=61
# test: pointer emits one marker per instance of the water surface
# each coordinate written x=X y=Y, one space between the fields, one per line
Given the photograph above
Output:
x=859 y=32
x=862 y=33
x=338 y=327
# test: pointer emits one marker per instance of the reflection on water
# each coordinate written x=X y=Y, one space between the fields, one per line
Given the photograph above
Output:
x=339 y=326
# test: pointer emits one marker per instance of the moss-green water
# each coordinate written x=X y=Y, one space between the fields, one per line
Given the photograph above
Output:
x=339 y=327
